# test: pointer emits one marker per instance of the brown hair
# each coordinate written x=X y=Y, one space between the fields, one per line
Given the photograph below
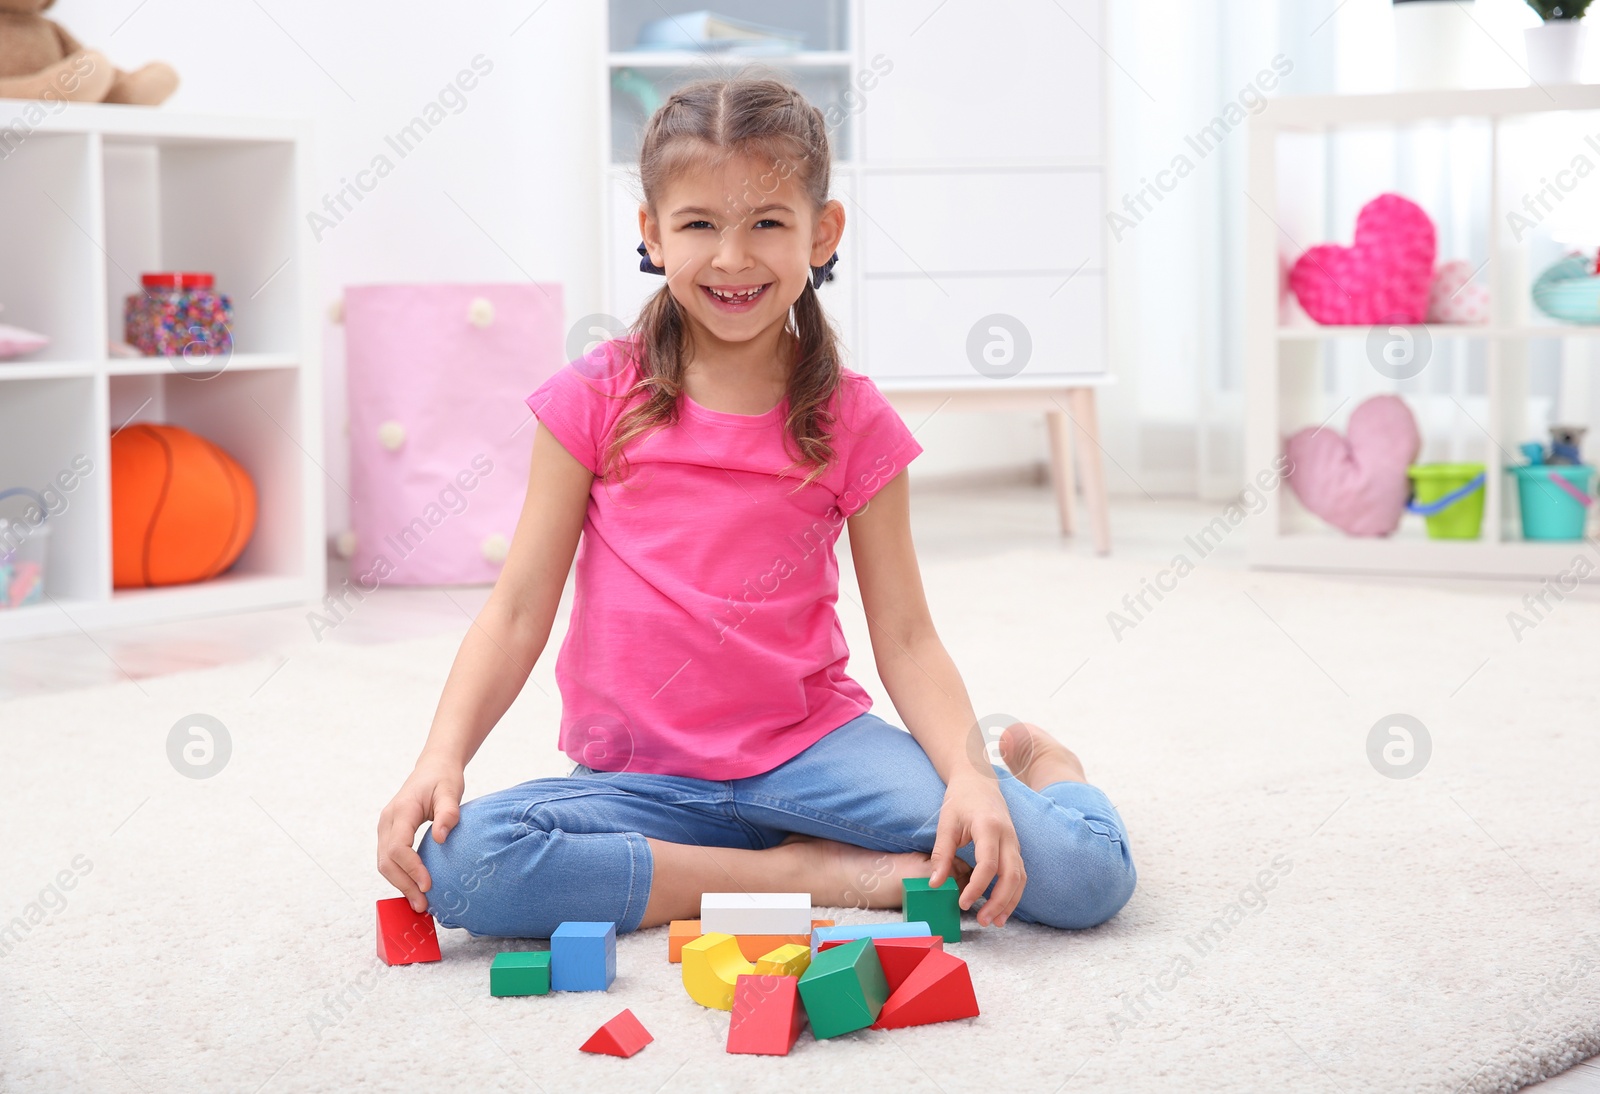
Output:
x=709 y=121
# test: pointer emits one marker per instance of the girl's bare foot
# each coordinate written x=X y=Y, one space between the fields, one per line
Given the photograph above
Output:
x=844 y=875
x=1037 y=758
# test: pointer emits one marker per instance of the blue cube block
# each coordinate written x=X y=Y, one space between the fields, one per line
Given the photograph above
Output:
x=583 y=956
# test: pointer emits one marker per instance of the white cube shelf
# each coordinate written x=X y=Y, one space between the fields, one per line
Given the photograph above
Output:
x=91 y=198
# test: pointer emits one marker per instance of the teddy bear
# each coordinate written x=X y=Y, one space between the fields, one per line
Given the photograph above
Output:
x=40 y=60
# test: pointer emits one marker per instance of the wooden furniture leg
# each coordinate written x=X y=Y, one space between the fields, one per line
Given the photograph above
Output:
x=1086 y=433
x=1056 y=424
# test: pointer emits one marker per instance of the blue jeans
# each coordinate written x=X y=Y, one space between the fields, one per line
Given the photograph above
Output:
x=522 y=860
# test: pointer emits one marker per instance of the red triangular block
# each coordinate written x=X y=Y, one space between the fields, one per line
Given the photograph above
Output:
x=404 y=936
x=939 y=989
x=899 y=956
x=767 y=1015
x=622 y=1036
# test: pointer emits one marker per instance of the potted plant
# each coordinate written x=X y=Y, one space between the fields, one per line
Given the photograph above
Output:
x=1430 y=44
x=1555 y=48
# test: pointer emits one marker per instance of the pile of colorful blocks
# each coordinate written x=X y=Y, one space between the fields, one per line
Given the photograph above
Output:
x=759 y=956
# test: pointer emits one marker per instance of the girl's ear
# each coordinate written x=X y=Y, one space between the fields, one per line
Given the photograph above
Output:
x=650 y=232
x=828 y=232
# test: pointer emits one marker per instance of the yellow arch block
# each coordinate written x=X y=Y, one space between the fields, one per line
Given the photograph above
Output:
x=785 y=961
x=712 y=964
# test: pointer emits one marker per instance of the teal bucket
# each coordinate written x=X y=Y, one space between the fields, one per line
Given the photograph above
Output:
x=1554 y=500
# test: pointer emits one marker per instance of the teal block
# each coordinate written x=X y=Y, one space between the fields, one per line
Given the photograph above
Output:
x=525 y=972
x=844 y=989
x=939 y=908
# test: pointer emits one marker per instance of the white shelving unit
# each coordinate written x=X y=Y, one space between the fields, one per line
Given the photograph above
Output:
x=1287 y=364
x=90 y=198
x=955 y=209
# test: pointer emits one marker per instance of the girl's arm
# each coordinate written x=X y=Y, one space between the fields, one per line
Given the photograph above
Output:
x=931 y=699
x=493 y=663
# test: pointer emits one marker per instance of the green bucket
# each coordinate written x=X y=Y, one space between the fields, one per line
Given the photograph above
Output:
x=1554 y=499
x=1450 y=495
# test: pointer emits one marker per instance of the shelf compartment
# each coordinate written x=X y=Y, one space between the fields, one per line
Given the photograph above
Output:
x=254 y=416
x=50 y=222
x=226 y=208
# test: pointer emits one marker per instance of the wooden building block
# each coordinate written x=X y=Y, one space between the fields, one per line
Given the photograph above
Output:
x=790 y=960
x=844 y=989
x=583 y=956
x=680 y=932
x=405 y=937
x=622 y=1036
x=755 y=913
x=522 y=972
x=712 y=964
x=900 y=955
x=938 y=908
x=852 y=931
x=939 y=989
x=767 y=1015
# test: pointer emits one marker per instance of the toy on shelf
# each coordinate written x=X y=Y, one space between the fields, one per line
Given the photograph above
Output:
x=1383 y=277
x=405 y=937
x=767 y=1015
x=1357 y=482
x=179 y=315
x=939 y=989
x=1570 y=289
x=583 y=956
x=1455 y=297
x=182 y=509
x=1450 y=496
x=939 y=908
x=1552 y=486
x=623 y=1036
x=755 y=913
x=40 y=60
x=712 y=965
x=520 y=972
x=24 y=544
x=16 y=342
x=844 y=989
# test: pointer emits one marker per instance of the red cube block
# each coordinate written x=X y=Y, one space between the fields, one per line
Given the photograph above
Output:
x=767 y=1015
x=405 y=937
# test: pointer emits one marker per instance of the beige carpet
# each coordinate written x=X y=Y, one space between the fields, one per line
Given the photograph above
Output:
x=1303 y=922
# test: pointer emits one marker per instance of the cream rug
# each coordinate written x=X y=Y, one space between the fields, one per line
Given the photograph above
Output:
x=1303 y=921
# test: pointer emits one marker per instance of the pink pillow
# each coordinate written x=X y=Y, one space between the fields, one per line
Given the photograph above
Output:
x=14 y=342
x=1358 y=482
x=1383 y=277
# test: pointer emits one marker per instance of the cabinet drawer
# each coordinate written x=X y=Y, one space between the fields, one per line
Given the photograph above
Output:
x=971 y=221
x=916 y=328
x=1003 y=80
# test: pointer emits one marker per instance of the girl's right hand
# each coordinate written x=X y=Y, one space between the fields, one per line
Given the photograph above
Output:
x=431 y=792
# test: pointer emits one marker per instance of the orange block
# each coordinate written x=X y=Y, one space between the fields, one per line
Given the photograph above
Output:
x=753 y=946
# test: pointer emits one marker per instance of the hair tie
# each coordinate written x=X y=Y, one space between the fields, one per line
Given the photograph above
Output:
x=819 y=274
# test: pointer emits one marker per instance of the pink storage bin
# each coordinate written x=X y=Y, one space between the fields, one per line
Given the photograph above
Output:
x=439 y=433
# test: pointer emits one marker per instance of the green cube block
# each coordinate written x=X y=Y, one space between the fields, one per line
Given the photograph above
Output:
x=525 y=972
x=938 y=908
x=844 y=989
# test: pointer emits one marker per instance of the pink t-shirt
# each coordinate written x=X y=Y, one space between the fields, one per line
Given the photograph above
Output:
x=703 y=639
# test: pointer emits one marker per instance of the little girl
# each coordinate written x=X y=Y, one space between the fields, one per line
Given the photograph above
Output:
x=710 y=461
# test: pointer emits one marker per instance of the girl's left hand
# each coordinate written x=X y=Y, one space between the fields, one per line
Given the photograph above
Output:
x=975 y=811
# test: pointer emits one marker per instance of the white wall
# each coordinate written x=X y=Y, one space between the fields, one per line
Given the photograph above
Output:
x=521 y=159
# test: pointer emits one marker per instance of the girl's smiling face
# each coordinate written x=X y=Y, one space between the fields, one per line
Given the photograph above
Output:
x=738 y=241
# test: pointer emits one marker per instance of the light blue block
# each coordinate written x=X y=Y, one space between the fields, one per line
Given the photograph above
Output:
x=850 y=933
x=583 y=957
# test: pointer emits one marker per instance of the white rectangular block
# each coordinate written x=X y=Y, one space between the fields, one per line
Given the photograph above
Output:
x=755 y=913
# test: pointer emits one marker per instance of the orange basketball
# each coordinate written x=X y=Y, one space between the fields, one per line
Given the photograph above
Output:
x=182 y=509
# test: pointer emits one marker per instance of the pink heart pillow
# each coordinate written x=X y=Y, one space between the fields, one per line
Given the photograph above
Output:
x=1383 y=277
x=1358 y=482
